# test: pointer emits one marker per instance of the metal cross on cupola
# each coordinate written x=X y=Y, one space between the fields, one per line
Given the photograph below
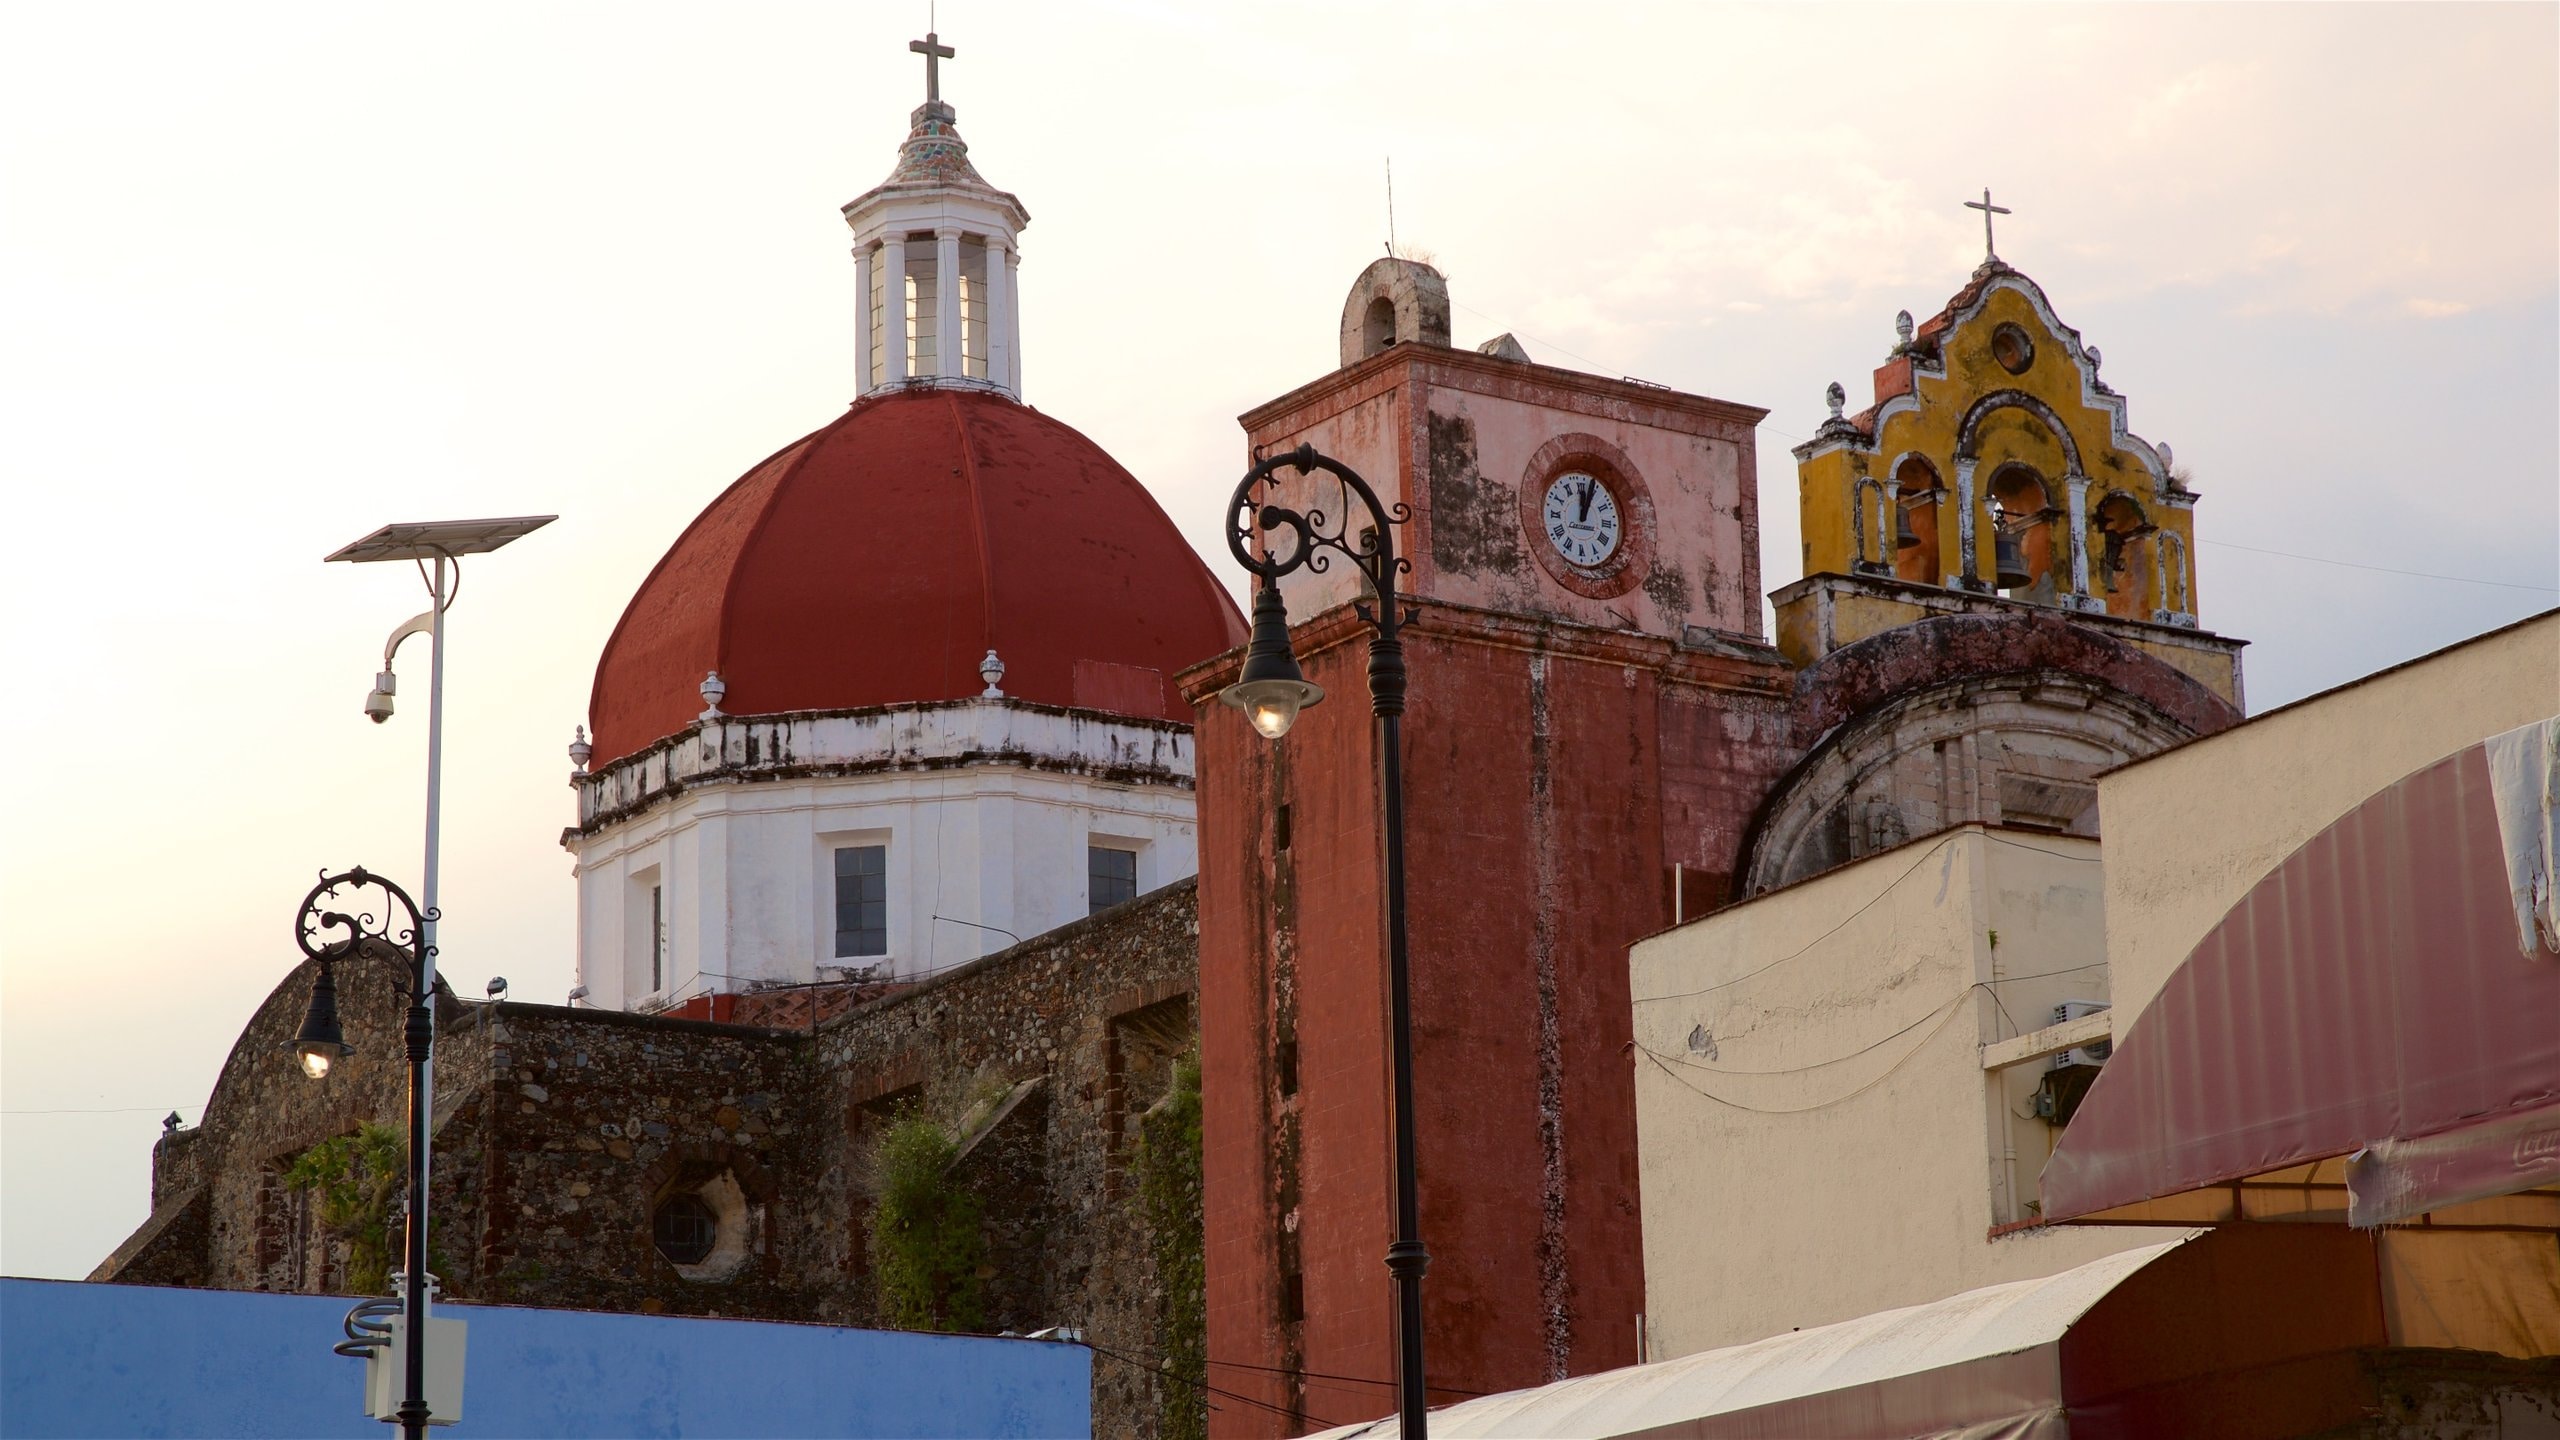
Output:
x=934 y=53
x=1988 y=210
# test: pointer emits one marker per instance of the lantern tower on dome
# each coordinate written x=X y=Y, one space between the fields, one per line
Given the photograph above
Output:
x=935 y=262
x=900 y=695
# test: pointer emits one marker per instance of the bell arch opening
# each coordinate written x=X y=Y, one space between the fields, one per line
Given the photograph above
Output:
x=1920 y=503
x=1378 y=326
x=2023 y=516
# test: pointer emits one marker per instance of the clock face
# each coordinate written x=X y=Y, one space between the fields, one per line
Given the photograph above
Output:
x=1581 y=518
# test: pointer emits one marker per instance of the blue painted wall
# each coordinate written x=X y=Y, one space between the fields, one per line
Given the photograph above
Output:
x=132 y=1361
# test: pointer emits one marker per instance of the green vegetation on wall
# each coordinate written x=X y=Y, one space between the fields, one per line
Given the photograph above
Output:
x=927 y=1247
x=359 y=1178
x=1169 y=1188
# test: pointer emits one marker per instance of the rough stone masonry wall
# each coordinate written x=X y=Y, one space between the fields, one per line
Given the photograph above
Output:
x=1092 y=1007
x=219 y=1214
x=593 y=1115
x=561 y=1130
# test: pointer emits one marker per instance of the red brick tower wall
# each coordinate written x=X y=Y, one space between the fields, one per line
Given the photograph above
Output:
x=1538 y=802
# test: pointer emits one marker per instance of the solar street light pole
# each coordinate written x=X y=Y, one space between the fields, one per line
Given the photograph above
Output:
x=444 y=542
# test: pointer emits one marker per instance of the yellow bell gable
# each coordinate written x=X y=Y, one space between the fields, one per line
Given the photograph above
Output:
x=1991 y=421
x=1994 y=470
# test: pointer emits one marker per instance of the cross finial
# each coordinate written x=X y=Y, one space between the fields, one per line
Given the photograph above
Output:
x=1988 y=210
x=934 y=53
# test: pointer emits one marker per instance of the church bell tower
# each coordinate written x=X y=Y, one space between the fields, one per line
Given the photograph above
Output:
x=1590 y=716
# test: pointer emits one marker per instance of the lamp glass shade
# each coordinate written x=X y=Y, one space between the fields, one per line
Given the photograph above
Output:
x=322 y=1042
x=1272 y=705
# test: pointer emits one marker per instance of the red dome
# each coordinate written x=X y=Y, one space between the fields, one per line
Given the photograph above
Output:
x=877 y=561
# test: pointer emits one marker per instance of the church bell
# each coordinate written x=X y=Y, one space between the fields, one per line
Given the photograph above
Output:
x=1904 y=537
x=2008 y=561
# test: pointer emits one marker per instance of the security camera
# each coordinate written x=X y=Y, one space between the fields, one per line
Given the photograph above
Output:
x=378 y=704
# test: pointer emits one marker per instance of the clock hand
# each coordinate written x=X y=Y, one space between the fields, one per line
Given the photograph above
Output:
x=1587 y=487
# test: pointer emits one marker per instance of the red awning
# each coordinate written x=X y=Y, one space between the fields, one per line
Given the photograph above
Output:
x=2368 y=992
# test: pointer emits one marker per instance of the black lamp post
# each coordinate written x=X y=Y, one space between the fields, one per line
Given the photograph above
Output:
x=322 y=1041
x=1271 y=692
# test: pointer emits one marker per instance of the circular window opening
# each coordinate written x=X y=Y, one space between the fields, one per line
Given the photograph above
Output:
x=2011 y=347
x=686 y=1229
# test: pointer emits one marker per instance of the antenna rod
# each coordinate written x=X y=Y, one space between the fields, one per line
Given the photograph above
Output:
x=1391 y=205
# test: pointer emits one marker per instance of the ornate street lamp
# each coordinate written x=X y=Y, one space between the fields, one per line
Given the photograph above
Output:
x=403 y=933
x=1271 y=692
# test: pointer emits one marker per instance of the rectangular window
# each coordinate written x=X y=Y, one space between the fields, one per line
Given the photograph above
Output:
x=1112 y=876
x=862 y=900
x=657 y=938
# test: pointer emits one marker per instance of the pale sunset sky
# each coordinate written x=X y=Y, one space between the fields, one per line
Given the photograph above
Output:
x=272 y=275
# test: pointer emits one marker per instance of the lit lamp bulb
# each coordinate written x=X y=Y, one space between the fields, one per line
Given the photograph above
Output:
x=322 y=1042
x=1271 y=691
x=1272 y=705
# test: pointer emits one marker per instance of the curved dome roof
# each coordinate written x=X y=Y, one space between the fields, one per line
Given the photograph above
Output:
x=876 y=561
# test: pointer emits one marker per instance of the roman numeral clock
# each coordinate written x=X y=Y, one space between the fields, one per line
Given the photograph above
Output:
x=1581 y=518
x=1589 y=521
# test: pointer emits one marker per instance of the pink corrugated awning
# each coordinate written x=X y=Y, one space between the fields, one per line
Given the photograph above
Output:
x=2368 y=992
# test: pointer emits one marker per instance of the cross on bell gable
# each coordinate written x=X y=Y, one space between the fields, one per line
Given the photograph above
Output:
x=1988 y=210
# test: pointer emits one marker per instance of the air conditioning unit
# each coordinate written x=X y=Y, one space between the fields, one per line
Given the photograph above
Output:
x=2093 y=1053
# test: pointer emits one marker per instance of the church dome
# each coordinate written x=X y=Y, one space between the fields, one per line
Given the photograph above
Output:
x=878 y=560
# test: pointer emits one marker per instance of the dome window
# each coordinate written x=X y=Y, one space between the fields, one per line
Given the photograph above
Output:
x=1111 y=875
x=862 y=900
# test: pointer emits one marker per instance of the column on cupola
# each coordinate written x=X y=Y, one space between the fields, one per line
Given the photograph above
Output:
x=892 y=314
x=999 y=313
x=949 y=359
x=866 y=322
x=1012 y=330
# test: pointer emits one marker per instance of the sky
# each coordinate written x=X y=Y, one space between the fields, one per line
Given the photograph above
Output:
x=274 y=275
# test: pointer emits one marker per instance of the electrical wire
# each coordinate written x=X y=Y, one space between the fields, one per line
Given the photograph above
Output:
x=1599 y=368
x=1879 y=1078
x=1834 y=1060
x=2382 y=569
x=1665 y=1062
x=1944 y=841
x=108 y=1110
x=1435 y=1387
x=1299 y=1416
x=1872 y=900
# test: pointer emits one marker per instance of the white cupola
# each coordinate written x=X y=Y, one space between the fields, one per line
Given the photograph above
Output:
x=933 y=247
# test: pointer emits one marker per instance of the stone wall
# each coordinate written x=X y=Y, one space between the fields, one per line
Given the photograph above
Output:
x=1094 y=1007
x=562 y=1133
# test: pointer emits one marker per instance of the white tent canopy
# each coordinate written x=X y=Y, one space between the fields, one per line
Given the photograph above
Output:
x=1982 y=1364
